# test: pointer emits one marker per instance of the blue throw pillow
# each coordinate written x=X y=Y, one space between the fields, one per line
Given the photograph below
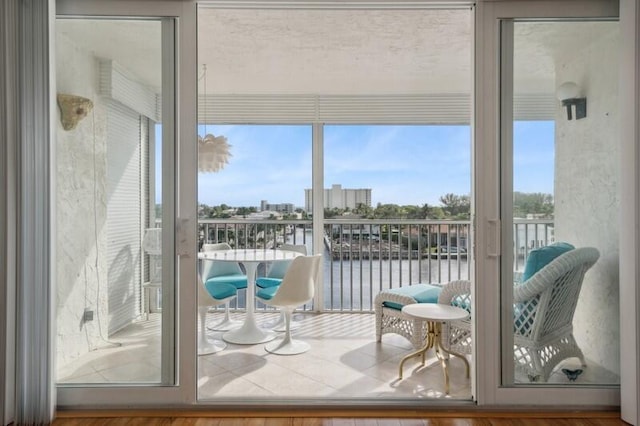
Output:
x=540 y=257
x=422 y=293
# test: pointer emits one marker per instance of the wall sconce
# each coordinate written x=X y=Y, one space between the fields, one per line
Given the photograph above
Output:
x=73 y=109
x=569 y=94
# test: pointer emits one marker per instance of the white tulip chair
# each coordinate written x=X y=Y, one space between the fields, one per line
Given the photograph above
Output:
x=297 y=288
x=214 y=273
x=220 y=295
x=273 y=278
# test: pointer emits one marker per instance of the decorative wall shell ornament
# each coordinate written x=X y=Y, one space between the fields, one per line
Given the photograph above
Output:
x=73 y=109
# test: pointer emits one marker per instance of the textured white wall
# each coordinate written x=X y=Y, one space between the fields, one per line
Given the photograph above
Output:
x=80 y=212
x=587 y=193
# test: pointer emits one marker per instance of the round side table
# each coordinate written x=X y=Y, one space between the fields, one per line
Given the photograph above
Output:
x=435 y=314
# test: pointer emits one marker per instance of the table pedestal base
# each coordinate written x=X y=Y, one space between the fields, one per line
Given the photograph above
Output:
x=248 y=334
x=433 y=340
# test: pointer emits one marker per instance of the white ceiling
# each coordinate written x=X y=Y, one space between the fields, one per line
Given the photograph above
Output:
x=136 y=45
x=332 y=52
x=335 y=51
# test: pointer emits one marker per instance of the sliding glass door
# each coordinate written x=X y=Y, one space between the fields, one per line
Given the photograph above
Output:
x=367 y=107
x=109 y=175
x=565 y=165
x=551 y=231
x=355 y=143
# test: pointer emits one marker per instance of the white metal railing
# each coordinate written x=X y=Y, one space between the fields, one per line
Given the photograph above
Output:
x=529 y=234
x=363 y=257
x=367 y=256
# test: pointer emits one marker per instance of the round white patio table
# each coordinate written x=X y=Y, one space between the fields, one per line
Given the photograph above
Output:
x=435 y=314
x=249 y=333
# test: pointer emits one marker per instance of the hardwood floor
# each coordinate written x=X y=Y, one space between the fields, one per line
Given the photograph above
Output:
x=448 y=418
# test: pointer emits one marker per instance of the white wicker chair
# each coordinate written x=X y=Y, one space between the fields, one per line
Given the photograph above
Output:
x=457 y=334
x=390 y=320
x=543 y=314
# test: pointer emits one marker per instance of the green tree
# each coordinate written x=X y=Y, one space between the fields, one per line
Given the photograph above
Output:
x=456 y=206
x=245 y=211
x=334 y=212
x=437 y=213
x=535 y=203
x=413 y=212
x=364 y=210
x=389 y=211
x=205 y=211
x=426 y=211
x=221 y=211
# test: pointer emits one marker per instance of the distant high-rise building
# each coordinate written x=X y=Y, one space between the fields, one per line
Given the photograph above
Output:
x=280 y=208
x=337 y=197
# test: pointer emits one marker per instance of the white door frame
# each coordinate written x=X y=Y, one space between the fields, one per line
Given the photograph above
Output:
x=181 y=68
x=488 y=183
x=630 y=209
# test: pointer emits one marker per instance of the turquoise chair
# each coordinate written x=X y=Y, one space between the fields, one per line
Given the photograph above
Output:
x=218 y=274
x=297 y=288
x=218 y=295
x=273 y=279
x=276 y=271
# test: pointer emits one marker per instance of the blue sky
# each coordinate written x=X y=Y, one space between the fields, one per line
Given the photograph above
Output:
x=533 y=156
x=401 y=164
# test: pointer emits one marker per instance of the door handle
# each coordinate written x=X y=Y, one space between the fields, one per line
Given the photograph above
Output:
x=183 y=226
x=493 y=246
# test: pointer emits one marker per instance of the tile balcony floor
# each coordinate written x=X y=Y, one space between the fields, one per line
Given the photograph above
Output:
x=344 y=361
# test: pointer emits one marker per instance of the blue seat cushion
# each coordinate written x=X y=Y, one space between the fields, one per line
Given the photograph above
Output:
x=238 y=281
x=267 y=293
x=540 y=257
x=220 y=291
x=266 y=282
x=422 y=293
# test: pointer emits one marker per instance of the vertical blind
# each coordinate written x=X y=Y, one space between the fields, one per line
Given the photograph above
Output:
x=35 y=392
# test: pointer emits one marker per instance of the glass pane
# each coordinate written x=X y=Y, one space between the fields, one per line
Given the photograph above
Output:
x=252 y=200
x=395 y=220
x=255 y=197
x=296 y=89
x=108 y=186
x=565 y=203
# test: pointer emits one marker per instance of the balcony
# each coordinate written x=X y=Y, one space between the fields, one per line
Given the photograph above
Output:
x=361 y=257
